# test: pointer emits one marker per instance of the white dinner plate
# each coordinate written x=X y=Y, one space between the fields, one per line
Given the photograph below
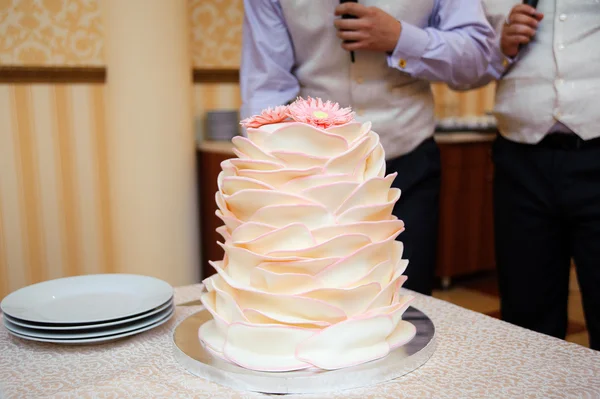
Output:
x=72 y=327
x=107 y=338
x=87 y=299
x=94 y=333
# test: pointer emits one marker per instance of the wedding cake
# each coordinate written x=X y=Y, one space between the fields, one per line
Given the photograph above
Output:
x=312 y=268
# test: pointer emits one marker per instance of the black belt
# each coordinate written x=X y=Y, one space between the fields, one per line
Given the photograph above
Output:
x=568 y=141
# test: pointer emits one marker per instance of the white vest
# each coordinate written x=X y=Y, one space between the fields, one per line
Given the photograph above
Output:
x=557 y=77
x=400 y=107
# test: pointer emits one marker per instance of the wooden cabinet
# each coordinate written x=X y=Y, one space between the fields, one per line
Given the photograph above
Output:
x=465 y=243
x=209 y=166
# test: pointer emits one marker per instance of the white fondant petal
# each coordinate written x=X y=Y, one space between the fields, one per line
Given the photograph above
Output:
x=255 y=164
x=283 y=283
x=348 y=161
x=357 y=264
x=375 y=164
x=277 y=178
x=352 y=301
x=402 y=334
x=350 y=131
x=279 y=307
x=211 y=336
x=370 y=212
x=306 y=266
x=251 y=150
x=381 y=274
x=376 y=231
x=302 y=183
x=330 y=195
x=303 y=138
x=223 y=301
x=298 y=160
x=371 y=192
x=273 y=347
x=241 y=261
x=232 y=184
x=336 y=247
x=312 y=216
x=385 y=297
x=292 y=237
x=256 y=317
x=231 y=222
x=223 y=232
x=250 y=231
x=244 y=204
x=348 y=343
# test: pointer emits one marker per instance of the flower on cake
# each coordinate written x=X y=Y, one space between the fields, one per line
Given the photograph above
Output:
x=315 y=112
x=266 y=117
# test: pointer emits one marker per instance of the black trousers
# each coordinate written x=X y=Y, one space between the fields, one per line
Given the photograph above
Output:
x=418 y=206
x=547 y=212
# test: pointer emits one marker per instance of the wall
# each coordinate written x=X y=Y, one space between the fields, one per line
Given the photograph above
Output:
x=54 y=214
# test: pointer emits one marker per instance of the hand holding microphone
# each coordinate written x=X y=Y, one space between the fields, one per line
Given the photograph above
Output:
x=520 y=27
x=366 y=28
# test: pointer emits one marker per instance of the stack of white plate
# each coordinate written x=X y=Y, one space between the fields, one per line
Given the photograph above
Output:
x=88 y=309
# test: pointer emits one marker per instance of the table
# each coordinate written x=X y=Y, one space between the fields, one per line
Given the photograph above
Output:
x=477 y=357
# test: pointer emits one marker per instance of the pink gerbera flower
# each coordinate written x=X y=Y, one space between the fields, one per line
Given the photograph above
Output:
x=314 y=111
x=266 y=117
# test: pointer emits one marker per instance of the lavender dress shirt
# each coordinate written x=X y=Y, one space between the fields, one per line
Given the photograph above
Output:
x=454 y=49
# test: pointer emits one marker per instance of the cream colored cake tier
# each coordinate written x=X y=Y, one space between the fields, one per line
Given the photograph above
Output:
x=312 y=268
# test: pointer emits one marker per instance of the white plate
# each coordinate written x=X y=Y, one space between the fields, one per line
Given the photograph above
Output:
x=82 y=334
x=96 y=340
x=73 y=327
x=87 y=299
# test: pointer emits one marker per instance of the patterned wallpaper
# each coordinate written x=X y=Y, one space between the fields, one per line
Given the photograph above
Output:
x=69 y=33
x=50 y=32
x=216 y=32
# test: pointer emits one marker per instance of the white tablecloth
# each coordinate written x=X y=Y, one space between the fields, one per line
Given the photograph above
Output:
x=476 y=357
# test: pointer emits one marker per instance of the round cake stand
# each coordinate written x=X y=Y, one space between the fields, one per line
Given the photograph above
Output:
x=192 y=355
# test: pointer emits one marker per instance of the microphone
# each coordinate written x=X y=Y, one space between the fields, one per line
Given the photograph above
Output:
x=349 y=16
x=534 y=4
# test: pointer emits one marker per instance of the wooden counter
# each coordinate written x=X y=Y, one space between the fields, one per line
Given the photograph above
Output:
x=465 y=243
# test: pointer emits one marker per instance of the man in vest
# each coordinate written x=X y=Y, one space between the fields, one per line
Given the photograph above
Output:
x=547 y=160
x=380 y=63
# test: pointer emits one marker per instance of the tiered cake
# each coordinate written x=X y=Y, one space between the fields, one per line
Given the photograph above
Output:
x=312 y=268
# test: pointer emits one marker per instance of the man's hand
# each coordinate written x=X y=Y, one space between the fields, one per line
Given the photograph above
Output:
x=521 y=25
x=373 y=29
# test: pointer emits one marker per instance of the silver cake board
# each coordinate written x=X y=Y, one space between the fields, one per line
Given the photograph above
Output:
x=196 y=359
